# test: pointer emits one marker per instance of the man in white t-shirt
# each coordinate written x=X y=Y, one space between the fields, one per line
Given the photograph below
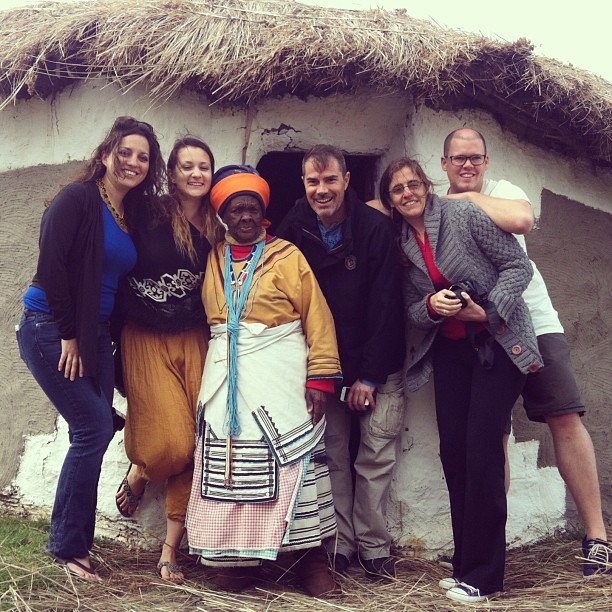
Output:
x=551 y=395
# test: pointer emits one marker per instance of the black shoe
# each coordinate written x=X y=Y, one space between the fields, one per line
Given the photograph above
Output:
x=340 y=563
x=446 y=561
x=375 y=569
x=597 y=556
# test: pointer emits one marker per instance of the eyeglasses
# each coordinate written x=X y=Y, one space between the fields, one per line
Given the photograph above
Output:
x=459 y=160
x=411 y=185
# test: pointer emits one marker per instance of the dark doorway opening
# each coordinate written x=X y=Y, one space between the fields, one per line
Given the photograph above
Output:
x=283 y=171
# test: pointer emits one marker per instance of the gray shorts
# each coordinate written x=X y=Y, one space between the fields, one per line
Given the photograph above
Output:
x=552 y=391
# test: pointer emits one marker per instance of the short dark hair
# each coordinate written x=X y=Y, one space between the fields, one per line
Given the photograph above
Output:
x=383 y=189
x=321 y=154
x=392 y=168
x=448 y=139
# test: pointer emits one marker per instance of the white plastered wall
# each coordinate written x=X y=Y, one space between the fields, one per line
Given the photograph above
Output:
x=41 y=132
x=521 y=163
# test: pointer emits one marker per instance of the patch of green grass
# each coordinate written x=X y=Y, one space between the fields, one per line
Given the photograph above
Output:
x=23 y=565
x=22 y=539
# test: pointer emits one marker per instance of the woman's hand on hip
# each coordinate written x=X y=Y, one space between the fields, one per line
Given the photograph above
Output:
x=316 y=401
x=70 y=360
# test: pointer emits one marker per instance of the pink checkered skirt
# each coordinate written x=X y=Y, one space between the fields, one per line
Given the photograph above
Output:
x=230 y=533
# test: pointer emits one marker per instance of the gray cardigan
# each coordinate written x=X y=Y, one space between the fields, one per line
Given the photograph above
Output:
x=467 y=245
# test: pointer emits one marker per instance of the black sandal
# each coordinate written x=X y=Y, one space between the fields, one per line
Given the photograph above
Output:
x=64 y=562
x=133 y=500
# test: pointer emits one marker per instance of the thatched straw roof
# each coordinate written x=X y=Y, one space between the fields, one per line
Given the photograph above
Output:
x=240 y=51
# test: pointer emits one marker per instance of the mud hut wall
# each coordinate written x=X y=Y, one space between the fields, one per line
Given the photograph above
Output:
x=361 y=124
x=71 y=125
x=67 y=128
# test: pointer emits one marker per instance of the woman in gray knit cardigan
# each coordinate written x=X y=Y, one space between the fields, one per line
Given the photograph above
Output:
x=462 y=285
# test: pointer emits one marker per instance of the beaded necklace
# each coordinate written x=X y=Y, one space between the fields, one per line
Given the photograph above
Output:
x=236 y=291
x=120 y=219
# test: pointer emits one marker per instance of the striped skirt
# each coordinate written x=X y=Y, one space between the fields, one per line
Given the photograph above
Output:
x=300 y=514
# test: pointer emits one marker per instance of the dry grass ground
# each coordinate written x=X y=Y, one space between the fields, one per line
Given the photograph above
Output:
x=543 y=577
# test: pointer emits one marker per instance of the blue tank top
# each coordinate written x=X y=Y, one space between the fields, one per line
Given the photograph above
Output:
x=119 y=259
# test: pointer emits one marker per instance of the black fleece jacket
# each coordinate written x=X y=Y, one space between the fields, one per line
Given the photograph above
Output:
x=360 y=281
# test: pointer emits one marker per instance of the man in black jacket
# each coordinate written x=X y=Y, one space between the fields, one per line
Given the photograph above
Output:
x=351 y=249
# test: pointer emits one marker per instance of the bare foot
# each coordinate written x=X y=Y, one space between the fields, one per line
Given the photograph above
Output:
x=130 y=492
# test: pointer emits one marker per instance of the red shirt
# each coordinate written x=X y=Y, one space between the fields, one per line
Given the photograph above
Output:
x=451 y=328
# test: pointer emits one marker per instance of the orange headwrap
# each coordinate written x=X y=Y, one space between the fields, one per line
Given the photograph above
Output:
x=232 y=181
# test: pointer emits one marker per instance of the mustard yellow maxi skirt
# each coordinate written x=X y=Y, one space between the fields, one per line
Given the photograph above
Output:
x=163 y=374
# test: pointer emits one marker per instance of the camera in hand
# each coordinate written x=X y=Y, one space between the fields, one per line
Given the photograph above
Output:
x=465 y=287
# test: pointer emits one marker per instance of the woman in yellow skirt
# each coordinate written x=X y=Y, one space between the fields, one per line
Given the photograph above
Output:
x=164 y=342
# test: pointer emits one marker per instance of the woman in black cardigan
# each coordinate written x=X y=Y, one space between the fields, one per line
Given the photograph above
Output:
x=63 y=335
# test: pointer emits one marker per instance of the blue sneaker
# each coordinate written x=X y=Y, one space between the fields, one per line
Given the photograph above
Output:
x=446 y=561
x=596 y=557
x=467 y=594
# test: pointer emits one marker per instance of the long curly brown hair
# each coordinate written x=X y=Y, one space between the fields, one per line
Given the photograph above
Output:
x=139 y=201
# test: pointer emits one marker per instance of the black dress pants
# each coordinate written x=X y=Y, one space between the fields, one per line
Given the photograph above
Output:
x=472 y=407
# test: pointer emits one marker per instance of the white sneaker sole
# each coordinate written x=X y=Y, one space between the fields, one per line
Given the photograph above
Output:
x=448 y=583
x=465 y=598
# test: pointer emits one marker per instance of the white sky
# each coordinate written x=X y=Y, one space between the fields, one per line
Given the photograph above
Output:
x=574 y=32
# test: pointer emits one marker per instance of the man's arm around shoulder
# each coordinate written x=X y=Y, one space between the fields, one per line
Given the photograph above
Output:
x=511 y=215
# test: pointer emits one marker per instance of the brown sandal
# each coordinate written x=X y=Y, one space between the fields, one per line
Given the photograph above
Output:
x=172 y=568
x=132 y=499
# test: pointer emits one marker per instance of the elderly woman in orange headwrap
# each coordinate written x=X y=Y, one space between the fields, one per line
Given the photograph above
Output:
x=261 y=484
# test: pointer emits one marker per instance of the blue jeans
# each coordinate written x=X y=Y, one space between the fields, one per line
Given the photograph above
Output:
x=87 y=409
